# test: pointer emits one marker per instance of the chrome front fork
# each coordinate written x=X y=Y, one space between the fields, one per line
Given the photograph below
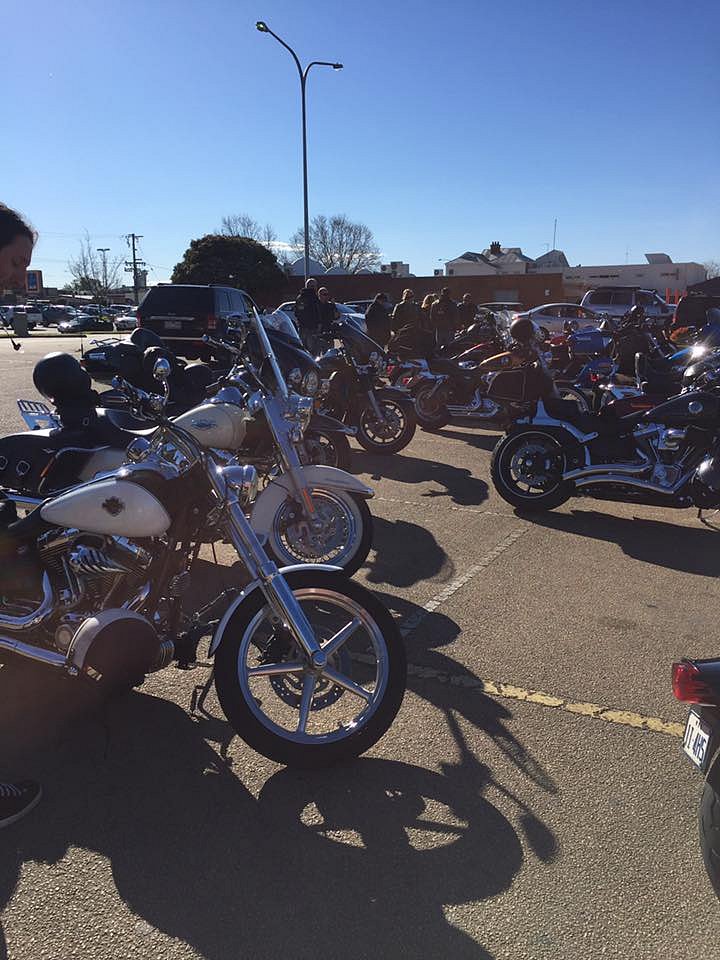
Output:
x=272 y=583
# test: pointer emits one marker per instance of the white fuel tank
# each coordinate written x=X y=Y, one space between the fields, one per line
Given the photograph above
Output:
x=220 y=425
x=115 y=507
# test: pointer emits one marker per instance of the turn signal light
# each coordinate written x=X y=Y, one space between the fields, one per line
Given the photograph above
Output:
x=689 y=686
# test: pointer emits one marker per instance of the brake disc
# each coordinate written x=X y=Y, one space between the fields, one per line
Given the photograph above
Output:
x=289 y=686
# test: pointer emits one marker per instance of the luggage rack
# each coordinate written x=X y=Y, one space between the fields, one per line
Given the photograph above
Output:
x=38 y=415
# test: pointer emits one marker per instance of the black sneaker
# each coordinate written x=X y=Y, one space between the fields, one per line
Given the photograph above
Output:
x=17 y=799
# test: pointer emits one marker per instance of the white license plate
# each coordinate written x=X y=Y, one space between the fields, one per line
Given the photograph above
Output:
x=696 y=740
x=173 y=325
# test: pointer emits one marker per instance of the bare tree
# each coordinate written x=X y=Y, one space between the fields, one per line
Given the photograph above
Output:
x=338 y=242
x=92 y=274
x=712 y=268
x=243 y=225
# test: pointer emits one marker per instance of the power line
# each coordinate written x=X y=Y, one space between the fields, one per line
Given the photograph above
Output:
x=131 y=266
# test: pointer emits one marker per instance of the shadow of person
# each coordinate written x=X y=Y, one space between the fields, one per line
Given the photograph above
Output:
x=405 y=553
x=460 y=485
x=353 y=862
x=674 y=546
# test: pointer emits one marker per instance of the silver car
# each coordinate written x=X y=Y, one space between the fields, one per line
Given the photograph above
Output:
x=553 y=316
x=616 y=301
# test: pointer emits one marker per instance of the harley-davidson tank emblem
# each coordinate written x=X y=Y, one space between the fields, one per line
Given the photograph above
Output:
x=203 y=424
x=113 y=506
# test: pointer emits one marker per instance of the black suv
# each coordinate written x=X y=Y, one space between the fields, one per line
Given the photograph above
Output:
x=181 y=313
x=691 y=309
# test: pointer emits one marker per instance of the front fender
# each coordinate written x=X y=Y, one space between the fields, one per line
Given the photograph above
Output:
x=321 y=421
x=250 y=588
x=330 y=478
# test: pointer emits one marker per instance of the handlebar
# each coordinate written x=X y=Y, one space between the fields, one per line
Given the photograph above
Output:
x=143 y=404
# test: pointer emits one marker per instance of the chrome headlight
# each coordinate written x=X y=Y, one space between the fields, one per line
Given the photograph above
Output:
x=310 y=383
x=295 y=376
x=299 y=409
x=242 y=479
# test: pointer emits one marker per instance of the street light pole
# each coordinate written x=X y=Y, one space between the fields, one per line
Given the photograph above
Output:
x=303 y=74
x=103 y=251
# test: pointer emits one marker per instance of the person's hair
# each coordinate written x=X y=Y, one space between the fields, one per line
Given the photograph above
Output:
x=428 y=300
x=12 y=225
x=445 y=290
x=407 y=294
x=311 y=282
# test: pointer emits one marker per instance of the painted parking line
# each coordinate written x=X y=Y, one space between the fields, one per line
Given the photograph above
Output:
x=594 y=711
x=457 y=508
x=409 y=624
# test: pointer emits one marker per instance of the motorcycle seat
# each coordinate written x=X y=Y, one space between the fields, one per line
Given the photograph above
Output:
x=605 y=423
x=444 y=365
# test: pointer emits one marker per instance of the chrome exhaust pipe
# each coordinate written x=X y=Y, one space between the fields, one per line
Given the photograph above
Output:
x=634 y=483
x=619 y=469
x=34 y=618
x=49 y=657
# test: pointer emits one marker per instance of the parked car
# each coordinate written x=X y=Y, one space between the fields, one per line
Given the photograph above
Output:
x=29 y=310
x=183 y=313
x=57 y=312
x=551 y=317
x=616 y=301
x=85 y=323
x=503 y=306
x=692 y=308
x=346 y=309
x=126 y=321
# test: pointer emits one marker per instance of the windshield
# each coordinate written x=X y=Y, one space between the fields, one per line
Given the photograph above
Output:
x=357 y=342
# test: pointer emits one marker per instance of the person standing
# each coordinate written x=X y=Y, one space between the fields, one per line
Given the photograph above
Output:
x=406 y=313
x=329 y=313
x=377 y=319
x=467 y=311
x=425 y=310
x=307 y=314
x=17 y=240
x=443 y=317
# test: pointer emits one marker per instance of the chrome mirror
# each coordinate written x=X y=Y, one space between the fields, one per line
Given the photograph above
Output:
x=162 y=370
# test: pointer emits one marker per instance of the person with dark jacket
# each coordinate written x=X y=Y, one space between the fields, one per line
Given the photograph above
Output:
x=307 y=314
x=17 y=240
x=329 y=313
x=406 y=313
x=444 y=317
x=378 y=320
x=467 y=311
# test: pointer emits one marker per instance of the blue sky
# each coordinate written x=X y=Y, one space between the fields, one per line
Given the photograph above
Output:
x=452 y=124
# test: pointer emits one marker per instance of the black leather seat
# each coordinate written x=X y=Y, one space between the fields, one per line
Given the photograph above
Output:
x=605 y=424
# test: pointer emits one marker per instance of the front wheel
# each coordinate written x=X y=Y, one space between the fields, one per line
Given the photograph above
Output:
x=297 y=715
x=527 y=468
x=339 y=533
x=391 y=433
x=430 y=407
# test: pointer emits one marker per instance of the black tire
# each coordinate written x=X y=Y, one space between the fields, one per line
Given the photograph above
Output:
x=406 y=410
x=275 y=746
x=506 y=486
x=432 y=414
x=354 y=560
x=329 y=449
x=709 y=824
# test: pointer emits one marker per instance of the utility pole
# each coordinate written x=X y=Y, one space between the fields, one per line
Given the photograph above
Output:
x=103 y=251
x=555 y=234
x=131 y=266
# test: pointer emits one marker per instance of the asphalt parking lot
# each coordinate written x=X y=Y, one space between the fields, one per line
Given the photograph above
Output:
x=530 y=801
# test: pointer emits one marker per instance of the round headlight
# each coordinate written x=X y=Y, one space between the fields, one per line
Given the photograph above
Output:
x=295 y=376
x=310 y=383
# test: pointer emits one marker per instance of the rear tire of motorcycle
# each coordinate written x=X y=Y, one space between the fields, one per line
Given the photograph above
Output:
x=430 y=423
x=275 y=747
x=407 y=433
x=539 y=503
x=709 y=824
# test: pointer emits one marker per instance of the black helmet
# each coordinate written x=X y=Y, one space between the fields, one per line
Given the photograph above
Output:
x=522 y=330
x=705 y=485
x=60 y=378
x=144 y=338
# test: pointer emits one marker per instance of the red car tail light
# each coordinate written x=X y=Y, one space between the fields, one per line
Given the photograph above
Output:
x=689 y=686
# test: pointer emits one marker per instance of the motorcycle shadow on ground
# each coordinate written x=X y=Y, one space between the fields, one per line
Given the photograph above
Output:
x=405 y=553
x=460 y=485
x=458 y=692
x=361 y=860
x=665 y=544
x=483 y=441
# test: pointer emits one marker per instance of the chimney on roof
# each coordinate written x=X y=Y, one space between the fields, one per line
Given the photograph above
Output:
x=495 y=248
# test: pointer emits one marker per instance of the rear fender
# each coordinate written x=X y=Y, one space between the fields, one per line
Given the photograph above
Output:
x=251 y=588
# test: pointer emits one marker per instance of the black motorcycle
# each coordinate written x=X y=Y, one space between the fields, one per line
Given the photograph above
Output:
x=384 y=417
x=666 y=456
x=697 y=682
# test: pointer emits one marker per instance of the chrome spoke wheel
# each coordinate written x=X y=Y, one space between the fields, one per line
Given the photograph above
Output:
x=299 y=702
x=331 y=535
x=386 y=430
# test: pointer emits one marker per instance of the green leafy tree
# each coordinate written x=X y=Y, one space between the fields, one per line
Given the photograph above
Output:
x=232 y=261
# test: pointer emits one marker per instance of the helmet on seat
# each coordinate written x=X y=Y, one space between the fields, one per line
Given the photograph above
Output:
x=523 y=330
x=60 y=378
x=144 y=338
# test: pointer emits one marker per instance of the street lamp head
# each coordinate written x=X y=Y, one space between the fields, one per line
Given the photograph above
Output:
x=337 y=66
x=262 y=26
